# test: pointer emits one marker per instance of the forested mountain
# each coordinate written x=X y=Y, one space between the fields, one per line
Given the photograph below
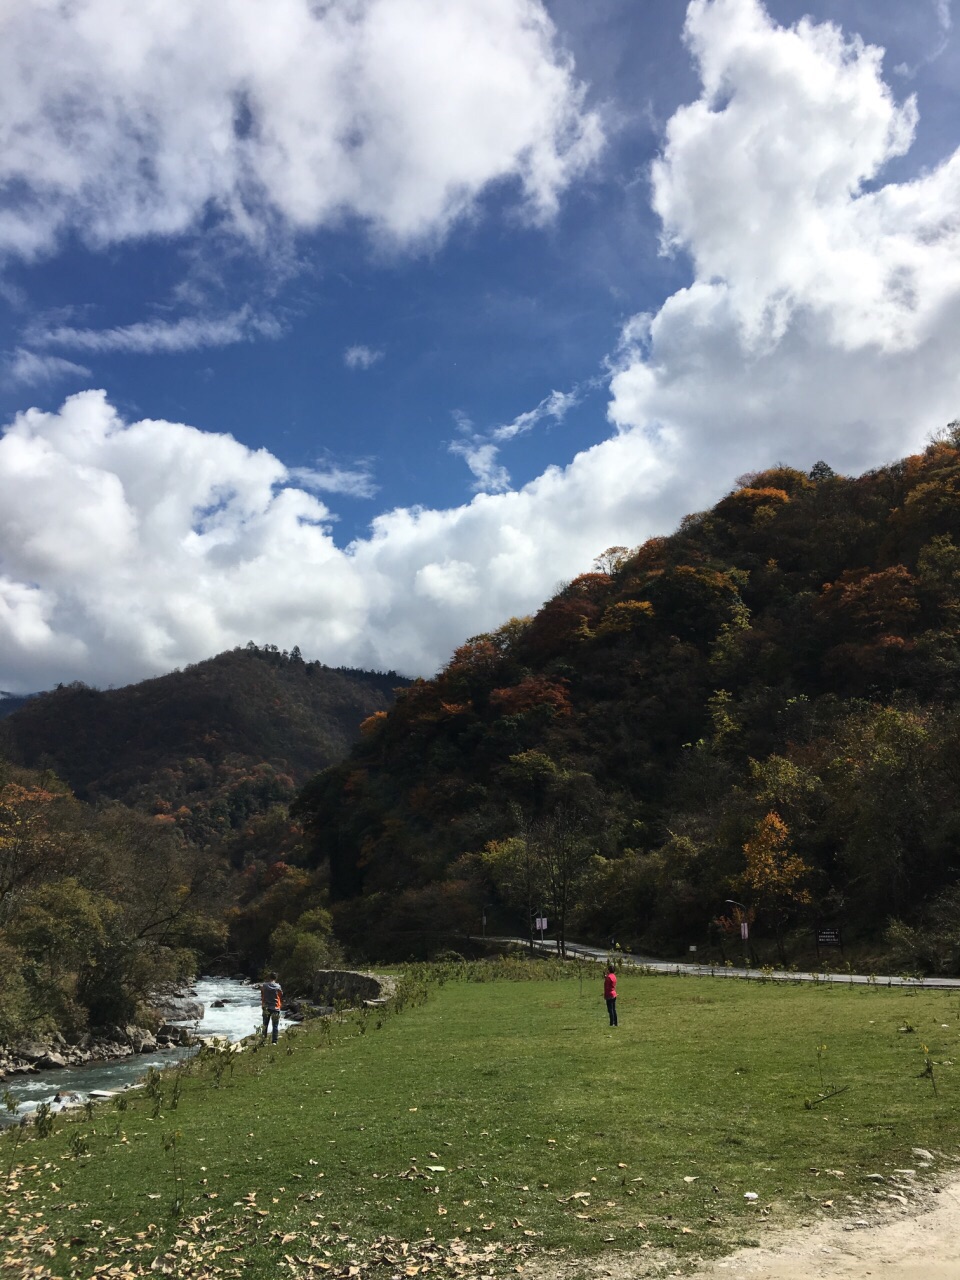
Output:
x=152 y=833
x=205 y=747
x=761 y=707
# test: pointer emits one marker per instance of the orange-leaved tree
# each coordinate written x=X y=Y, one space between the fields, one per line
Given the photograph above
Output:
x=775 y=876
x=33 y=842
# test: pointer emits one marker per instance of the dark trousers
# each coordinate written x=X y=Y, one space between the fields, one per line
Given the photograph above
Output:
x=612 y=1010
x=275 y=1015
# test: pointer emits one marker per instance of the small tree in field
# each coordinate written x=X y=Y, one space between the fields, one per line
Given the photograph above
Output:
x=775 y=875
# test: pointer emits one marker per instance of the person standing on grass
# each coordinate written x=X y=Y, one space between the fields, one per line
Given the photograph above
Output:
x=610 y=994
x=271 y=998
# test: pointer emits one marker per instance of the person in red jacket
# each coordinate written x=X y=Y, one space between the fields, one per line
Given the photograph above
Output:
x=610 y=994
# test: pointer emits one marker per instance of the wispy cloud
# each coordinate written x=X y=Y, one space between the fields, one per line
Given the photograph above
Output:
x=163 y=337
x=480 y=450
x=942 y=8
x=361 y=357
x=353 y=482
x=481 y=457
x=27 y=369
x=556 y=406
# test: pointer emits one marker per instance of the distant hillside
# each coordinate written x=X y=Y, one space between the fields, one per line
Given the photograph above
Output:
x=10 y=702
x=763 y=707
x=209 y=745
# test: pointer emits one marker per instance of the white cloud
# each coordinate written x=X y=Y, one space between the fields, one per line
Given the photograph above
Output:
x=489 y=475
x=819 y=321
x=122 y=120
x=556 y=406
x=361 y=357
x=480 y=451
x=28 y=369
x=150 y=337
x=944 y=19
x=128 y=549
x=821 y=315
x=354 y=482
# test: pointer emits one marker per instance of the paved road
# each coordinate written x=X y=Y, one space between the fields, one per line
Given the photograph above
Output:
x=549 y=947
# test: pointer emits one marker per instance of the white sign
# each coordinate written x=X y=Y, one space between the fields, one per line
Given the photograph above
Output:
x=541 y=924
x=744 y=930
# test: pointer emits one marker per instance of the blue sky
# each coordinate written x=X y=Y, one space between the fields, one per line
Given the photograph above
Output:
x=361 y=326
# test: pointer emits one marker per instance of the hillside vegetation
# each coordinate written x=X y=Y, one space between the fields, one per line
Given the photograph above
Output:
x=761 y=707
x=153 y=834
x=207 y=746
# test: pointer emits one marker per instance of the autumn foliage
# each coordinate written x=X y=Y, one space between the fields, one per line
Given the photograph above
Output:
x=764 y=706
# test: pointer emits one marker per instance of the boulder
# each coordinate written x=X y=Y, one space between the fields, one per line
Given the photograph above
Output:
x=331 y=985
x=140 y=1039
x=49 y=1060
x=31 y=1051
x=171 y=1009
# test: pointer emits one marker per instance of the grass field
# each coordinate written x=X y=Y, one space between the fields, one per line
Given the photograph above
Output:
x=497 y=1120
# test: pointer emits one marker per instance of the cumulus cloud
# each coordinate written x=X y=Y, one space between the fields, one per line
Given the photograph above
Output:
x=821 y=313
x=151 y=337
x=361 y=357
x=819 y=321
x=120 y=120
x=131 y=548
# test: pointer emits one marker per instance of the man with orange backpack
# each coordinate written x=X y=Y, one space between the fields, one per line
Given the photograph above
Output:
x=271 y=999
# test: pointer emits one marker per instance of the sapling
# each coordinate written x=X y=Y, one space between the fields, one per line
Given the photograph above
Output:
x=177 y=1090
x=171 y=1146
x=79 y=1145
x=18 y=1134
x=43 y=1120
x=927 y=1072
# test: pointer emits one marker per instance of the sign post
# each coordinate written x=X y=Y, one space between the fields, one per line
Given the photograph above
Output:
x=829 y=937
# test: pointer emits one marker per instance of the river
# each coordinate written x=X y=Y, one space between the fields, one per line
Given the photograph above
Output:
x=239 y=1017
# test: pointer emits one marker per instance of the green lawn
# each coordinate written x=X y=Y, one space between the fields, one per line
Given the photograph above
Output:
x=544 y=1128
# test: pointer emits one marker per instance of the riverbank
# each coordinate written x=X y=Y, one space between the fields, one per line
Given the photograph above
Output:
x=221 y=1008
x=174 y=1013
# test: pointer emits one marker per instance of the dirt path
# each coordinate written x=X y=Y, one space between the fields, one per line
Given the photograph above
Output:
x=913 y=1245
x=919 y=1242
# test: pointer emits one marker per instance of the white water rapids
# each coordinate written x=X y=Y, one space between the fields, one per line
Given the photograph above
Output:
x=239 y=1017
